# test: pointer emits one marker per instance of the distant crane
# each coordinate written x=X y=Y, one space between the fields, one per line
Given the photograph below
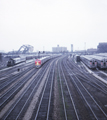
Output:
x=25 y=49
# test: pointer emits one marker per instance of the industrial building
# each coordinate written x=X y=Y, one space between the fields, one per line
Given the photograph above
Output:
x=59 y=49
x=102 y=47
x=92 y=51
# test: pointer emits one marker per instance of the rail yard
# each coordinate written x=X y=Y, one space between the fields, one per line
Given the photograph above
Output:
x=60 y=89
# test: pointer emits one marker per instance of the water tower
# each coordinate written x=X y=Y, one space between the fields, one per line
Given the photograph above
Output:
x=71 y=47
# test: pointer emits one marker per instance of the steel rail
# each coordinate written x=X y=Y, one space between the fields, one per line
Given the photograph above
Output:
x=83 y=78
x=86 y=92
x=13 y=80
x=77 y=116
x=47 y=80
x=32 y=92
x=62 y=93
x=82 y=95
x=12 y=69
x=50 y=92
x=13 y=87
x=6 y=116
x=92 y=97
x=90 y=77
x=23 y=82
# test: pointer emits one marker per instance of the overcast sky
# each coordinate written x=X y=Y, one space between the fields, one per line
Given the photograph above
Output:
x=48 y=23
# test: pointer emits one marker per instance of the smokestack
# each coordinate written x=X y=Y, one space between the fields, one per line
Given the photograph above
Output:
x=71 y=47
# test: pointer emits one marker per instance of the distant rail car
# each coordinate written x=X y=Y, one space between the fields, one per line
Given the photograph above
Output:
x=102 y=64
x=90 y=62
x=101 y=61
x=39 y=62
x=14 y=61
x=29 y=57
x=77 y=58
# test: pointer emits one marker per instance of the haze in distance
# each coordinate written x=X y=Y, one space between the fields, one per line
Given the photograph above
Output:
x=45 y=24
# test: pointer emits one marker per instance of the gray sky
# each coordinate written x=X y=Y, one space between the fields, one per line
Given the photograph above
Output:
x=48 y=23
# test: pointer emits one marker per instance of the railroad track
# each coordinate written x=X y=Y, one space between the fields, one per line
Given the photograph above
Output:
x=9 y=71
x=69 y=107
x=8 y=79
x=24 y=96
x=44 y=107
x=71 y=99
x=59 y=90
x=97 y=111
x=89 y=76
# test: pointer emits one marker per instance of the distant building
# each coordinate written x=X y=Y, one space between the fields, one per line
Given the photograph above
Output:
x=102 y=47
x=80 y=51
x=0 y=56
x=59 y=49
x=71 y=47
x=91 y=50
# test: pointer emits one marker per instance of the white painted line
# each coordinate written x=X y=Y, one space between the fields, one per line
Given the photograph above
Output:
x=86 y=68
x=5 y=69
x=103 y=73
x=3 y=78
x=100 y=78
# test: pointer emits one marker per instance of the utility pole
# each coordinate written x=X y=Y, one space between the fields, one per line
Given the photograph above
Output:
x=85 y=47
